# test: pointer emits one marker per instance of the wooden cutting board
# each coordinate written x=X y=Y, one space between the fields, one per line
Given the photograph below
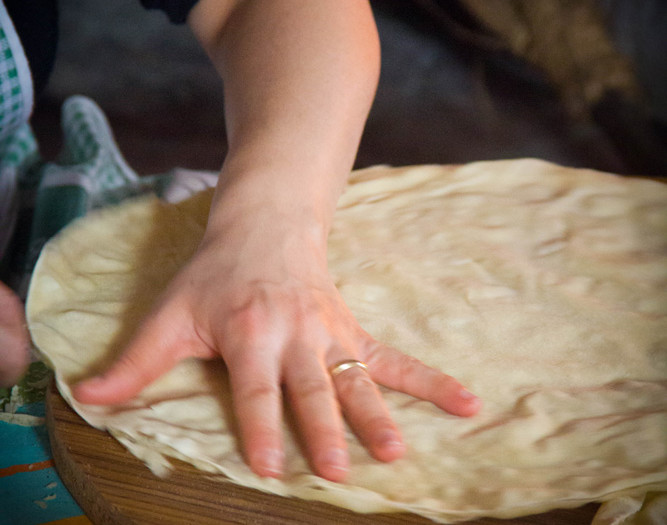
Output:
x=114 y=487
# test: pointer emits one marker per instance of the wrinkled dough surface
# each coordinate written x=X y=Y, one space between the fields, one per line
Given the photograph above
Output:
x=541 y=288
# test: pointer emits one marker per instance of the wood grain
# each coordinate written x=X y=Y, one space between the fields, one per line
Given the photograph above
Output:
x=113 y=488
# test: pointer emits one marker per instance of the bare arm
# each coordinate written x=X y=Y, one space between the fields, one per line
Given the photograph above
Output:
x=299 y=78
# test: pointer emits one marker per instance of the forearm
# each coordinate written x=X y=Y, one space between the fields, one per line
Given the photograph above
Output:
x=299 y=78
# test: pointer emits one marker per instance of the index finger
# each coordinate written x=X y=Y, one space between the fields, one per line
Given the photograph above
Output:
x=257 y=399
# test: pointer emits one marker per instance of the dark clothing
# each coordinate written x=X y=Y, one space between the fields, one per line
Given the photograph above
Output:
x=36 y=23
x=176 y=10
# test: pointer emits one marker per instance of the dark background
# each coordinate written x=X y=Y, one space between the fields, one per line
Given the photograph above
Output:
x=441 y=99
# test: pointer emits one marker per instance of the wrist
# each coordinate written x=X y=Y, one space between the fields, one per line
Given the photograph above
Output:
x=303 y=201
x=260 y=243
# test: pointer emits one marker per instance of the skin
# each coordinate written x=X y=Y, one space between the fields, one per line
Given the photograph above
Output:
x=299 y=79
x=13 y=338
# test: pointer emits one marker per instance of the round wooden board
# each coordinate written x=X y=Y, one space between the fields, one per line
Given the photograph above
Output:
x=114 y=487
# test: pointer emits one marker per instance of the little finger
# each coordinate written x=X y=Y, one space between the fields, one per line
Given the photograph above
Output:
x=403 y=373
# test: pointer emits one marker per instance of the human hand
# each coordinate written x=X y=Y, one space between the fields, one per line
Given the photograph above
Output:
x=13 y=338
x=271 y=311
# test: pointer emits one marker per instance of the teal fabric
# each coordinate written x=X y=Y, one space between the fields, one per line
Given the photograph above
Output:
x=89 y=173
x=49 y=196
x=31 y=491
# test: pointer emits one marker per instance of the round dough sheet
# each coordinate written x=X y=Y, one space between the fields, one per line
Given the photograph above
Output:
x=543 y=289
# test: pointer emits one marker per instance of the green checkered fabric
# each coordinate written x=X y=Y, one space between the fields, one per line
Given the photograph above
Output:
x=19 y=161
x=19 y=150
x=12 y=104
x=89 y=167
x=90 y=150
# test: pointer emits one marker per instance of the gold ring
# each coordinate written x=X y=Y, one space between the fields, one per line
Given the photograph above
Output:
x=341 y=366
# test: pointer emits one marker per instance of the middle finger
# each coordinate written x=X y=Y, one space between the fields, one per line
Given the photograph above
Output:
x=313 y=400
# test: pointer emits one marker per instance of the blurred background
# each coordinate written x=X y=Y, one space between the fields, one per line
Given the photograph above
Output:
x=578 y=82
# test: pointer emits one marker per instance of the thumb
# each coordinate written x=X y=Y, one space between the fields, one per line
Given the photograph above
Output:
x=157 y=348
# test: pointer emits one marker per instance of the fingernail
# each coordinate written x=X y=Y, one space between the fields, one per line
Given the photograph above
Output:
x=465 y=394
x=335 y=458
x=390 y=439
x=270 y=461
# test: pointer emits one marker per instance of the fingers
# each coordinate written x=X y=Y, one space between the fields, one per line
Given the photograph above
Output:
x=367 y=414
x=313 y=400
x=257 y=401
x=157 y=348
x=317 y=401
x=403 y=373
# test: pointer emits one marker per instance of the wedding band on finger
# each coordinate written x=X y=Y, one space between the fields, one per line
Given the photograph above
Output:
x=341 y=366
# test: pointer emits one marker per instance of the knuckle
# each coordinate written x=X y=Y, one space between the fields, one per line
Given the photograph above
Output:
x=324 y=431
x=250 y=315
x=352 y=384
x=249 y=322
x=260 y=432
x=444 y=382
x=262 y=391
x=375 y=354
x=377 y=424
x=409 y=366
x=312 y=387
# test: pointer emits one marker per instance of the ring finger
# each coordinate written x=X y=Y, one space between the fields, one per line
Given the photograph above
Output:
x=365 y=410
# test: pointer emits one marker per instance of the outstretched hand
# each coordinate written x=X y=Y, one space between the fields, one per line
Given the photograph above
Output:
x=271 y=311
x=299 y=81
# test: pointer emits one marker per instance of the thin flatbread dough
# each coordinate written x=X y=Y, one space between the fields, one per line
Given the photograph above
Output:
x=541 y=288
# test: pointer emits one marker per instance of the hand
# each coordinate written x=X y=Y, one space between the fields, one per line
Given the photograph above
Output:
x=271 y=311
x=299 y=81
x=13 y=338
